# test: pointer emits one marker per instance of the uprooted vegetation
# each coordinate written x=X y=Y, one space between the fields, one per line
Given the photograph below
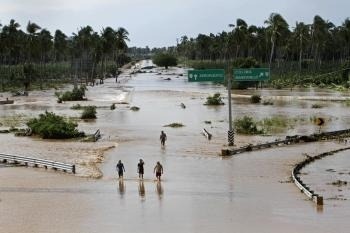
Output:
x=77 y=94
x=255 y=99
x=174 y=125
x=89 y=112
x=51 y=126
x=275 y=124
x=214 y=100
x=246 y=125
x=134 y=108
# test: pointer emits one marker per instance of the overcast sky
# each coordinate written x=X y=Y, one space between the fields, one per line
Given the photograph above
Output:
x=159 y=23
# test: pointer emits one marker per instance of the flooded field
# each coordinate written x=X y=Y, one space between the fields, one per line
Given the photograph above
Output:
x=200 y=191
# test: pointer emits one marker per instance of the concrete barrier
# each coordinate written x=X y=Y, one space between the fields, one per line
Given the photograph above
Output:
x=318 y=199
x=289 y=140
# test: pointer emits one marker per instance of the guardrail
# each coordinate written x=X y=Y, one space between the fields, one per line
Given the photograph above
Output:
x=288 y=141
x=5 y=158
x=318 y=199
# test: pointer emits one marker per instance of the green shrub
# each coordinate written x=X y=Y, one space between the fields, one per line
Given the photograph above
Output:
x=214 y=100
x=347 y=102
x=316 y=106
x=134 y=108
x=246 y=125
x=165 y=59
x=89 y=112
x=77 y=94
x=255 y=99
x=52 y=126
x=174 y=125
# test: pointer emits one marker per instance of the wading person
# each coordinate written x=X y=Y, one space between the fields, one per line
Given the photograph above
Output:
x=162 y=138
x=140 y=168
x=158 y=169
x=120 y=168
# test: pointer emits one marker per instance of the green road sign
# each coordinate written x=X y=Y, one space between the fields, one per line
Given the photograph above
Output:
x=214 y=75
x=253 y=74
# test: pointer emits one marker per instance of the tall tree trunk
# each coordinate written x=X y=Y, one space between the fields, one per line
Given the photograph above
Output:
x=271 y=54
x=237 y=50
x=300 y=54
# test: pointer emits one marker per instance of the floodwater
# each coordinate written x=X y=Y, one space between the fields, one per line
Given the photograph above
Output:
x=199 y=192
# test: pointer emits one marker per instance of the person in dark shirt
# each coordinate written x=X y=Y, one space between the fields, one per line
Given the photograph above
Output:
x=120 y=168
x=140 y=168
x=162 y=138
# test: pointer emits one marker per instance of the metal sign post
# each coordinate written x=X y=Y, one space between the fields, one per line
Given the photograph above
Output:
x=230 y=133
x=217 y=75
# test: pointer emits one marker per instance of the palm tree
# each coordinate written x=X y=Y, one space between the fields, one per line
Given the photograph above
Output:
x=121 y=39
x=301 y=34
x=345 y=32
x=60 y=45
x=109 y=44
x=82 y=51
x=239 y=34
x=10 y=41
x=32 y=29
x=320 y=32
x=45 y=45
x=276 y=26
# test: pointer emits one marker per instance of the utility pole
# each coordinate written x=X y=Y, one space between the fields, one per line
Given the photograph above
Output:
x=230 y=133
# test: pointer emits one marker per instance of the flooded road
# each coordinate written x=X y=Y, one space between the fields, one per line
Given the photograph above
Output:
x=200 y=191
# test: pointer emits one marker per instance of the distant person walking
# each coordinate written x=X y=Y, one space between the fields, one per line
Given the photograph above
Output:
x=120 y=168
x=162 y=138
x=140 y=168
x=158 y=169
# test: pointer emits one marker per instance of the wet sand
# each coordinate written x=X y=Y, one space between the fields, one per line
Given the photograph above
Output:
x=200 y=191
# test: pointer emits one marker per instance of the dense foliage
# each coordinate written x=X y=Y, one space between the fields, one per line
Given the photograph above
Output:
x=52 y=126
x=77 y=94
x=35 y=55
x=274 y=124
x=214 y=100
x=89 y=112
x=255 y=99
x=165 y=60
x=246 y=125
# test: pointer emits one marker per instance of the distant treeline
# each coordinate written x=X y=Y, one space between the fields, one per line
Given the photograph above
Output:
x=298 y=55
x=34 y=55
x=297 y=47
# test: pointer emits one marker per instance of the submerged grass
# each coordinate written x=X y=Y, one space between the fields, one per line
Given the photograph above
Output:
x=276 y=124
x=16 y=120
x=316 y=106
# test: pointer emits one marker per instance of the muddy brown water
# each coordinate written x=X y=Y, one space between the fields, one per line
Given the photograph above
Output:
x=200 y=191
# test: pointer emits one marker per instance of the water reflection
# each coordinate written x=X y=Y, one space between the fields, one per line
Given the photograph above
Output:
x=121 y=187
x=159 y=189
x=142 y=191
x=319 y=209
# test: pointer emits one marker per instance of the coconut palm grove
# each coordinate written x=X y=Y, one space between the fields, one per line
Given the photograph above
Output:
x=301 y=53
